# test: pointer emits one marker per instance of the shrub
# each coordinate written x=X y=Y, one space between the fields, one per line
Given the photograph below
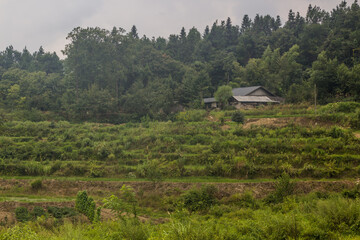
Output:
x=239 y=132
x=57 y=212
x=132 y=229
x=191 y=116
x=55 y=167
x=152 y=170
x=352 y=193
x=355 y=121
x=22 y=214
x=283 y=188
x=38 y=212
x=200 y=199
x=238 y=117
x=86 y=206
x=340 y=107
x=33 y=169
x=36 y=185
x=336 y=132
x=245 y=200
x=338 y=213
x=126 y=203
x=96 y=171
x=19 y=232
x=219 y=210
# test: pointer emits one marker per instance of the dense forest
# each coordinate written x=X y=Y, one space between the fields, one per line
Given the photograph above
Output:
x=117 y=76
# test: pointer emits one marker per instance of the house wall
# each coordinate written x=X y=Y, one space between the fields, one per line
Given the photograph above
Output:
x=259 y=92
x=245 y=105
x=211 y=105
x=214 y=105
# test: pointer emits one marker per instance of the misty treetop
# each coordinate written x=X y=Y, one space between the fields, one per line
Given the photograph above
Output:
x=116 y=76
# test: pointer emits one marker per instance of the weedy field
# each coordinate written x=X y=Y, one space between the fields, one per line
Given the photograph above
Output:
x=287 y=172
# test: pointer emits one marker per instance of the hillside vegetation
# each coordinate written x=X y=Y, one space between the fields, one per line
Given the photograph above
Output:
x=196 y=143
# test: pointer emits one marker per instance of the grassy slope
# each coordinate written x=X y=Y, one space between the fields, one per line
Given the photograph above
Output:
x=198 y=148
x=314 y=216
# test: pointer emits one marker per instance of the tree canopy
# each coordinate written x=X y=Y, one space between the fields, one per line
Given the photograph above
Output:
x=111 y=75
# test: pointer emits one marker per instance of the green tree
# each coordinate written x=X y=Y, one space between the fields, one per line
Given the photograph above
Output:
x=134 y=33
x=290 y=71
x=125 y=204
x=315 y=15
x=152 y=170
x=324 y=74
x=223 y=94
x=86 y=205
x=246 y=23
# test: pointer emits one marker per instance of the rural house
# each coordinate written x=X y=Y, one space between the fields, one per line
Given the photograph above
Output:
x=245 y=97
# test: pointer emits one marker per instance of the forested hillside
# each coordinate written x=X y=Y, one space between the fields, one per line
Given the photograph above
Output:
x=117 y=76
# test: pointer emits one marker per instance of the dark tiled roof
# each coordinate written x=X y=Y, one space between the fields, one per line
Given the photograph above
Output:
x=244 y=90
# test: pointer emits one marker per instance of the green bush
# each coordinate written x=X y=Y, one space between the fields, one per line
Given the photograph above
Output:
x=336 y=132
x=19 y=233
x=191 y=116
x=36 y=185
x=127 y=203
x=355 y=121
x=22 y=214
x=200 y=199
x=58 y=212
x=131 y=229
x=283 y=188
x=245 y=200
x=55 y=167
x=152 y=170
x=86 y=206
x=351 y=193
x=340 y=107
x=38 y=212
x=219 y=210
x=33 y=169
x=338 y=214
x=238 y=117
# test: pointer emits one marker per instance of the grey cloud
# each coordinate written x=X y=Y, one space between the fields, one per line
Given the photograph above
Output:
x=40 y=22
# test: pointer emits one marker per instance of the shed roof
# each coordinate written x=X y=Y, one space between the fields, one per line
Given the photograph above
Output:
x=209 y=100
x=244 y=91
x=254 y=99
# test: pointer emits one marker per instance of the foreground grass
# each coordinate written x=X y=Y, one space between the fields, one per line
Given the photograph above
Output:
x=295 y=217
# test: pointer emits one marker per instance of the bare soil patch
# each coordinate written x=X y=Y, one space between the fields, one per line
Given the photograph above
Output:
x=282 y=122
x=225 y=127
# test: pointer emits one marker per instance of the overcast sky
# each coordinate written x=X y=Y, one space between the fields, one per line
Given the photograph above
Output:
x=35 y=23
